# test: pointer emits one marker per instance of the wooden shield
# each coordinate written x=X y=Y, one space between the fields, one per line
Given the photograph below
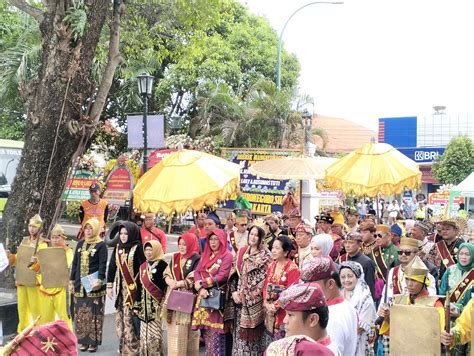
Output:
x=54 y=271
x=414 y=330
x=24 y=275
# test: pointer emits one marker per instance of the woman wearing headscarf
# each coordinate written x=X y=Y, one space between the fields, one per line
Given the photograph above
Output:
x=249 y=314
x=151 y=297
x=179 y=274
x=458 y=279
x=357 y=292
x=127 y=257
x=321 y=245
x=89 y=263
x=212 y=271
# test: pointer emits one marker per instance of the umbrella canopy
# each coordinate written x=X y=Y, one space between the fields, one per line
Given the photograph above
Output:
x=374 y=168
x=292 y=168
x=186 y=180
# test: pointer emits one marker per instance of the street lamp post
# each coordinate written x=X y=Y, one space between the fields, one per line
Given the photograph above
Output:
x=306 y=122
x=278 y=69
x=145 y=85
x=175 y=124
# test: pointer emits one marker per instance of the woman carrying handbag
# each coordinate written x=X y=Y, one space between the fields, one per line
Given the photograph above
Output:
x=210 y=277
x=179 y=276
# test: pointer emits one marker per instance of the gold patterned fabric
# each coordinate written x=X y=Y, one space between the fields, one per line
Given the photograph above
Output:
x=89 y=320
x=182 y=340
x=151 y=338
x=124 y=326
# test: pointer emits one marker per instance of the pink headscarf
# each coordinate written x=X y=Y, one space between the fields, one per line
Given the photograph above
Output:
x=206 y=261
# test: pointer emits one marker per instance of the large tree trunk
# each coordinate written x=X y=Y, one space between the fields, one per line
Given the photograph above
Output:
x=63 y=109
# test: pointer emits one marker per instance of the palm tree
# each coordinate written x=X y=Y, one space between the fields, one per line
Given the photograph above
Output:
x=221 y=112
x=274 y=112
x=20 y=53
x=320 y=132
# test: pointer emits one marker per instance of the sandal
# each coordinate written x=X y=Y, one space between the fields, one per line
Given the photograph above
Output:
x=92 y=348
x=83 y=348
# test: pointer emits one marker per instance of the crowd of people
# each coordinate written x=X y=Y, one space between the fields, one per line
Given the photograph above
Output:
x=245 y=286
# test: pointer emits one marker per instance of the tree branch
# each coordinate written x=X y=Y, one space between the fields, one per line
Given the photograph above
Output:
x=113 y=61
x=30 y=10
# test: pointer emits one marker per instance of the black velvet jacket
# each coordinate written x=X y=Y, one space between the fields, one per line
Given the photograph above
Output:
x=89 y=258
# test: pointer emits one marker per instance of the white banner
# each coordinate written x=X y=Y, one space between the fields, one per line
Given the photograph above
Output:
x=155 y=131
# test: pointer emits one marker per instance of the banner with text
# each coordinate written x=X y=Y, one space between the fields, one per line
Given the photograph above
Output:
x=77 y=187
x=265 y=195
x=119 y=186
x=156 y=156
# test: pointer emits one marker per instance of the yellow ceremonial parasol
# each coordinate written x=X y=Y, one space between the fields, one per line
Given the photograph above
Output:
x=186 y=180
x=373 y=168
x=292 y=168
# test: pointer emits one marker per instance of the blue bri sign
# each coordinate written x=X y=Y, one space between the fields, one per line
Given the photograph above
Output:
x=422 y=154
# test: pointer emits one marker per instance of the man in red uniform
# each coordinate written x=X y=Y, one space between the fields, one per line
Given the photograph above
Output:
x=198 y=229
x=150 y=232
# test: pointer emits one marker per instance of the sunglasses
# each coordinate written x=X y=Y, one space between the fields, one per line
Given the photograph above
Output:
x=243 y=224
x=379 y=235
x=406 y=253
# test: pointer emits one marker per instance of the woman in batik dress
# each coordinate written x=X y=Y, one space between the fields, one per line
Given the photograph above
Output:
x=179 y=274
x=127 y=258
x=212 y=271
x=151 y=297
x=251 y=267
x=90 y=257
x=281 y=274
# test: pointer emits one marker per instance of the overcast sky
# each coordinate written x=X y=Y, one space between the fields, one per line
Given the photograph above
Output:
x=368 y=59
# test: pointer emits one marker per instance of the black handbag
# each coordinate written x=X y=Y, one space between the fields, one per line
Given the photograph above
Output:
x=215 y=300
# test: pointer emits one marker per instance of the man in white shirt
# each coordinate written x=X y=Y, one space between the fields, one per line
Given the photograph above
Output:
x=342 y=326
x=420 y=232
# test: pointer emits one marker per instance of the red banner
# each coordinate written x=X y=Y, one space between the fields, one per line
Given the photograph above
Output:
x=157 y=155
x=119 y=186
x=119 y=179
x=79 y=183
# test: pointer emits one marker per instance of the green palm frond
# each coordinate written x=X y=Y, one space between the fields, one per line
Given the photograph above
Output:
x=318 y=131
x=19 y=61
x=76 y=18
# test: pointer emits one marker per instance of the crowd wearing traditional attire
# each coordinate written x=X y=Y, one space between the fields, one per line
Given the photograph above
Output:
x=259 y=287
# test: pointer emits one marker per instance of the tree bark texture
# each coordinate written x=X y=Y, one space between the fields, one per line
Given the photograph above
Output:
x=60 y=103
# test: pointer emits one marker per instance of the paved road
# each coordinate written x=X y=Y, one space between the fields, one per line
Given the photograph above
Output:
x=110 y=340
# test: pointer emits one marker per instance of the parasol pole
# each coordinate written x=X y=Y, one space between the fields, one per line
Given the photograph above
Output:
x=379 y=220
x=169 y=225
